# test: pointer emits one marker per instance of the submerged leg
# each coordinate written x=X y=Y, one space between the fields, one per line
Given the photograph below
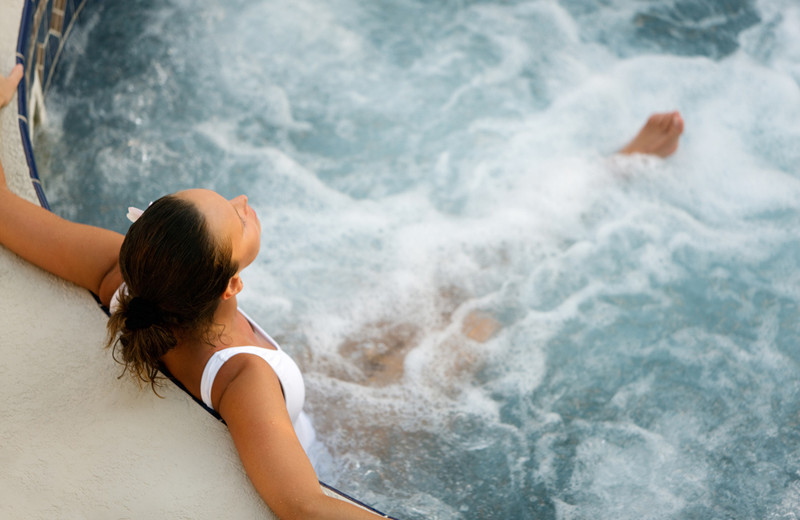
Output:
x=480 y=326
x=659 y=135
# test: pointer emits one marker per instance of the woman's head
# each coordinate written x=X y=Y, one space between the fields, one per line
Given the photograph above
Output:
x=179 y=260
x=230 y=220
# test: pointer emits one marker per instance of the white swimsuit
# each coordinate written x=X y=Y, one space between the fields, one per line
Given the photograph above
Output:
x=294 y=390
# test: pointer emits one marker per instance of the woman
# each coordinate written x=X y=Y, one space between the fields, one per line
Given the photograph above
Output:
x=172 y=283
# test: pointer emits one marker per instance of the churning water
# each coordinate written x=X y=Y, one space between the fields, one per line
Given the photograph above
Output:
x=418 y=164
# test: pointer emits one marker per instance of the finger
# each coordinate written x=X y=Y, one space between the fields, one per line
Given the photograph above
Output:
x=16 y=73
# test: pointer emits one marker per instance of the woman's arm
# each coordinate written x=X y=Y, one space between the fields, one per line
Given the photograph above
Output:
x=253 y=406
x=85 y=255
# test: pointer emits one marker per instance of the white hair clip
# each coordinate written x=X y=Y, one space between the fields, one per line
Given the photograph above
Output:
x=134 y=213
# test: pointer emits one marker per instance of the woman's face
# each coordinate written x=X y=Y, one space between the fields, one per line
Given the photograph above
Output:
x=232 y=220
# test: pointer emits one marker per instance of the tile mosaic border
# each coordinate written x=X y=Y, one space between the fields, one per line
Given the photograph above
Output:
x=43 y=29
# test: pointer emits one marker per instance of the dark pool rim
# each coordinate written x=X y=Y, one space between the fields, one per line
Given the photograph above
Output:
x=25 y=127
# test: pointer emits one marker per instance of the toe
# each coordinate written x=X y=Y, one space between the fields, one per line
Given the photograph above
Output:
x=677 y=123
x=665 y=121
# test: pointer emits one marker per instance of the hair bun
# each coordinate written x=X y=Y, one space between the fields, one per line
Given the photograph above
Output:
x=141 y=314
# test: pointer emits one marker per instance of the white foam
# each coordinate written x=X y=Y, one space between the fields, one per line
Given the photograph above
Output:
x=411 y=169
x=643 y=472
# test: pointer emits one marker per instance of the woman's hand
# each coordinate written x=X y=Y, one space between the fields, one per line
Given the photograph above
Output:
x=9 y=85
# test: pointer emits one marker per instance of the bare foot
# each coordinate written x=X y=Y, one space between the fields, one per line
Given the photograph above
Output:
x=9 y=85
x=659 y=135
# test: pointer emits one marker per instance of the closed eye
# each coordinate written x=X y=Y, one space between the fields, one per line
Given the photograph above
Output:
x=240 y=217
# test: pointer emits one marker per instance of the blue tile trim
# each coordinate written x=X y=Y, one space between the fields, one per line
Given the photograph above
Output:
x=22 y=103
x=28 y=42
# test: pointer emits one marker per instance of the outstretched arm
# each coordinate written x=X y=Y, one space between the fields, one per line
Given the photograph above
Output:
x=253 y=407
x=85 y=255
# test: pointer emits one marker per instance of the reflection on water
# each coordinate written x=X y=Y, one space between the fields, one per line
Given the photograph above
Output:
x=496 y=317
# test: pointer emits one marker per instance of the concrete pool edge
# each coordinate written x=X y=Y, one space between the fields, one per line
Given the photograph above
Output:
x=77 y=438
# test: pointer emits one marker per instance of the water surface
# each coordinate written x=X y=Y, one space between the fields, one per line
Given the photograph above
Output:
x=416 y=164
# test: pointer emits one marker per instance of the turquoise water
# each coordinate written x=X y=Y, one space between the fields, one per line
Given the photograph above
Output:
x=414 y=163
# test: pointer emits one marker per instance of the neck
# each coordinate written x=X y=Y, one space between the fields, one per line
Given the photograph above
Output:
x=183 y=359
x=226 y=312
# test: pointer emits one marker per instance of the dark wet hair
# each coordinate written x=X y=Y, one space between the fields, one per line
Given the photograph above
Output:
x=175 y=273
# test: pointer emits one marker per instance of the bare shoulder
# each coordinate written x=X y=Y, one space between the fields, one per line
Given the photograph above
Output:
x=246 y=380
x=251 y=402
x=110 y=284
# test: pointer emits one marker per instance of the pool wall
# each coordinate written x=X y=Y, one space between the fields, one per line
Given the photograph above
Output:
x=78 y=440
